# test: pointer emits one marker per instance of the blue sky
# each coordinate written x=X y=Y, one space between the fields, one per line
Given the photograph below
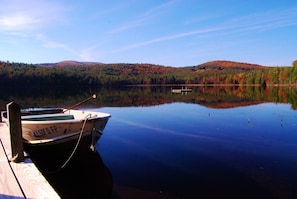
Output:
x=166 y=32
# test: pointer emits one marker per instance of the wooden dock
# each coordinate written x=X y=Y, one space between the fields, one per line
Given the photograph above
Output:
x=20 y=180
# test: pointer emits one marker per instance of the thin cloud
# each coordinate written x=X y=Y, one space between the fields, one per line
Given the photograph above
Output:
x=172 y=37
x=17 y=22
x=267 y=20
x=255 y=22
x=47 y=43
x=160 y=8
x=89 y=53
x=18 y=15
x=144 y=18
x=198 y=19
x=85 y=54
x=130 y=25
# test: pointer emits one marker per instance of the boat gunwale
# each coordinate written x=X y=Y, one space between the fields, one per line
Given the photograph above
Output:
x=63 y=121
x=94 y=116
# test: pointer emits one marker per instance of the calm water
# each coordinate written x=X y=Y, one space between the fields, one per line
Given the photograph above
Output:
x=189 y=151
x=209 y=144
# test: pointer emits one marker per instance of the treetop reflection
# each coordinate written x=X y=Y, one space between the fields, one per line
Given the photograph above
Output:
x=214 y=97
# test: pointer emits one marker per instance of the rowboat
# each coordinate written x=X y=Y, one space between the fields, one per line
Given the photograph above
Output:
x=51 y=126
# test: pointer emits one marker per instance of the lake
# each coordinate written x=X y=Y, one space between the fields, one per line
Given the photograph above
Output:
x=209 y=143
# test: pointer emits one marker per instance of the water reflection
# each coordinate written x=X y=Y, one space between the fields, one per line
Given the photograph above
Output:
x=215 y=97
x=182 y=150
x=189 y=146
x=85 y=176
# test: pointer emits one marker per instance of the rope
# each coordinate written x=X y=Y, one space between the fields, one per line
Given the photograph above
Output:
x=76 y=146
x=77 y=143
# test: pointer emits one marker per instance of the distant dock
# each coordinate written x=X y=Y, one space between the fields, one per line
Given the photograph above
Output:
x=181 y=90
x=20 y=180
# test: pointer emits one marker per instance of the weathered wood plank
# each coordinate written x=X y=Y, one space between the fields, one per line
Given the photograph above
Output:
x=4 y=136
x=31 y=181
x=8 y=183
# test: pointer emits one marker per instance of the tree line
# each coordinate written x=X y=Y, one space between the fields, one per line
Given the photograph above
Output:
x=224 y=72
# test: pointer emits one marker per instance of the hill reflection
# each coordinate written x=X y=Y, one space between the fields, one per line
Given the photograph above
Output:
x=214 y=97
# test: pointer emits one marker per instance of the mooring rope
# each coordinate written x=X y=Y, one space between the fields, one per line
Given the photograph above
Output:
x=78 y=141
x=76 y=146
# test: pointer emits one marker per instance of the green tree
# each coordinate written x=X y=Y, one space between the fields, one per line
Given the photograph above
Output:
x=295 y=63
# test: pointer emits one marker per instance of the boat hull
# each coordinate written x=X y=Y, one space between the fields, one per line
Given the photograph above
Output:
x=34 y=133
x=61 y=127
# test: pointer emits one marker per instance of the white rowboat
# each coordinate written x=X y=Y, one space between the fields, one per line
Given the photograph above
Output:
x=55 y=127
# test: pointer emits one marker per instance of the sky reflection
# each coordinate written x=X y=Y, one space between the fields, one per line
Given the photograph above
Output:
x=259 y=142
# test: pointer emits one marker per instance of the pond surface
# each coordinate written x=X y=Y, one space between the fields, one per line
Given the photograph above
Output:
x=183 y=150
x=216 y=142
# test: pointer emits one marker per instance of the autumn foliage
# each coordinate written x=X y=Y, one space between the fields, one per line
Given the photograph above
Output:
x=70 y=73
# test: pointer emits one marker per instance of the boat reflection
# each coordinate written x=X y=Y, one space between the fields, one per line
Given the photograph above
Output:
x=85 y=174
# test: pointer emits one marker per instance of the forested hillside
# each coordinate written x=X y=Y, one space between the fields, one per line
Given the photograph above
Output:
x=98 y=74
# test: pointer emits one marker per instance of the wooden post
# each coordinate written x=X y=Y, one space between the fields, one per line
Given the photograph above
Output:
x=15 y=129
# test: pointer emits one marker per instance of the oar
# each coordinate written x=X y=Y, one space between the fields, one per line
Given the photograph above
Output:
x=76 y=105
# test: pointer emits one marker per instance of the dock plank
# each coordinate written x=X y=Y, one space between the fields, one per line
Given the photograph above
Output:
x=8 y=184
x=19 y=179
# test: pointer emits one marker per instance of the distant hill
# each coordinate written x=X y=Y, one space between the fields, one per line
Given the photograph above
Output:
x=70 y=63
x=222 y=64
x=76 y=63
x=211 y=65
